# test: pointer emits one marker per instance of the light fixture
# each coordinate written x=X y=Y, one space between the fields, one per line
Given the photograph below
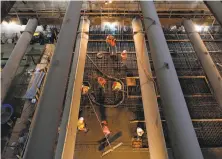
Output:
x=200 y=28
x=110 y=1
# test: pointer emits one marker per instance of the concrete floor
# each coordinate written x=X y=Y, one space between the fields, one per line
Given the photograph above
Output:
x=118 y=121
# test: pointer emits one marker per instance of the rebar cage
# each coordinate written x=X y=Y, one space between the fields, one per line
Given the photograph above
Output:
x=204 y=110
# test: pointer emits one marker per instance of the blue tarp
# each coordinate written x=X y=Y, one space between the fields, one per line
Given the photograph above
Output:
x=31 y=91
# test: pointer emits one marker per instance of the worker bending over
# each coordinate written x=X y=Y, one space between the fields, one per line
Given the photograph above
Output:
x=116 y=86
x=111 y=45
x=106 y=130
x=81 y=125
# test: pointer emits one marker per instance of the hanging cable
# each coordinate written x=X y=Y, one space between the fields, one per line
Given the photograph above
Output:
x=91 y=104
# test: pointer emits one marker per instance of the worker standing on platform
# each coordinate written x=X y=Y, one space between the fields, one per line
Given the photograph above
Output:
x=81 y=125
x=123 y=58
x=111 y=45
x=139 y=132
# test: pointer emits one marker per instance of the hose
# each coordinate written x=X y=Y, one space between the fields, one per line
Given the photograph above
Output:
x=109 y=77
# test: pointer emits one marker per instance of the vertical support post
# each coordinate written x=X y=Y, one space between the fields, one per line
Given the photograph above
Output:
x=203 y=55
x=157 y=145
x=44 y=128
x=183 y=138
x=67 y=137
x=215 y=8
x=10 y=69
x=71 y=128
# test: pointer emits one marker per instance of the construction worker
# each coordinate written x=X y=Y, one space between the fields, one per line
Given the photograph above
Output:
x=106 y=130
x=139 y=132
x=85 y=89
x=81 y=125
x=101 y=82
x=123 y=58
x=116 y=86
x=111 y=44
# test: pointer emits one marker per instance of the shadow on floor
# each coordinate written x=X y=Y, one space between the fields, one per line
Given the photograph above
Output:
x=103 y=142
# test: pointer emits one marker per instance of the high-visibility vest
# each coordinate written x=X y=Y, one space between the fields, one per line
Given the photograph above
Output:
x=116 y=86
x=81 y=125
x=111 y=40
x=101 y=81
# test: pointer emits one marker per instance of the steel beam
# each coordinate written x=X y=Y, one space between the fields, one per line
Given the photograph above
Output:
x=44 y=129
x=182 y=135
x=203 y=55
x=157 y=145
x=67 y=136
x=215 y=8
x=10 y=69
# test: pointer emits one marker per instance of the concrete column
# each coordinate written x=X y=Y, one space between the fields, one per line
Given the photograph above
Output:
x=10 y=69
x=67 y=136
x=182 y=135
x=215 y=8
x=157 y=145
x=47 y=117
x=71 y=127
x=203 y=55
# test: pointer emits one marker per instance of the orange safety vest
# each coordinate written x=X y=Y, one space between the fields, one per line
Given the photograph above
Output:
x=101 y=81
x=111 y=40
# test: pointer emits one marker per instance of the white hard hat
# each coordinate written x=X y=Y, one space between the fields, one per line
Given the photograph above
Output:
x=33 y=100
x=81 y=118
x=124 y=51
x=139 y=129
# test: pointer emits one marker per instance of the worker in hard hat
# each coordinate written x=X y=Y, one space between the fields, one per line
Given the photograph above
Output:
x=85 y=89
x=81 y=125
x=139 y=132
x=116 y=86
x=106 y=132
x=101 y=81
x=123 y=58
x=111 y=44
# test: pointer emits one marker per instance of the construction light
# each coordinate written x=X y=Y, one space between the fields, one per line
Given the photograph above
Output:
x=200 y=28
x=111 y=25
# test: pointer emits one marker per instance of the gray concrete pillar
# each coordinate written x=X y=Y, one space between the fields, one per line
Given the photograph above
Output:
x=10 y=69
x=203 y=55
x=157 y=145
x=215 y=8
x=181 y=132
x=68 y=129
x=45 y=123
